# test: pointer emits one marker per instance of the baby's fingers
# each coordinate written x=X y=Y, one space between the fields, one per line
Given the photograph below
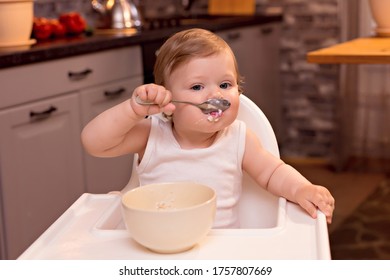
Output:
x=309 y=208
x=156 y=94
x=151 y=99
x=328 y=209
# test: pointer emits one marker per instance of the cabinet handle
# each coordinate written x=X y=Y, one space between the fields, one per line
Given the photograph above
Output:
x=79 y=75
x=234 y=36
x=114 y=93
x=43 y=114
x=266 y=30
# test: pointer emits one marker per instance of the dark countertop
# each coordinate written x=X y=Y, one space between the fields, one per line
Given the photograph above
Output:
x=61 y=48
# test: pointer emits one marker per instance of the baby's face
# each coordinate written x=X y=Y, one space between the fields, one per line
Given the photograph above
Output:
x=201 y=79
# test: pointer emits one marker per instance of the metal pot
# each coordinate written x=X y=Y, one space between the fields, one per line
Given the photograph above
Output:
x=117 y=14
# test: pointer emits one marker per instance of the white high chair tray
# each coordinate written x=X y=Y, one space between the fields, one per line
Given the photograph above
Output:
x=92 y=228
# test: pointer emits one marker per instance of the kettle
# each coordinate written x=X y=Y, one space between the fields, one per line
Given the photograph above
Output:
x=117 y=14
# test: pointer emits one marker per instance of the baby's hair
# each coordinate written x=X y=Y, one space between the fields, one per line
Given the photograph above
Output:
x=188 y=44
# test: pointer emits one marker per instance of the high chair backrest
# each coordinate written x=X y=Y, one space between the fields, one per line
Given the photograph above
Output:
x=258 y=208
x=255 y=119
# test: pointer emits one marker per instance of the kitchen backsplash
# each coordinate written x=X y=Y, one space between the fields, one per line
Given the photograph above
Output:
x=310 y=92
x=52 y=8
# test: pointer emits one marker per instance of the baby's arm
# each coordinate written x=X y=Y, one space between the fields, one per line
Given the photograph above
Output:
x=123 y=128
x=283 y=180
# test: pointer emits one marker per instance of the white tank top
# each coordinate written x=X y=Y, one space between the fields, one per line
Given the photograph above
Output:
x=218 y=166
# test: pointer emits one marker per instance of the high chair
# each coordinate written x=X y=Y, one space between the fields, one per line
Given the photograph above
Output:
x=271 y=227
x=254 y=199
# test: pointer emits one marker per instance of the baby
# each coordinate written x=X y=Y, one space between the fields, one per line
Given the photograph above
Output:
x=180 y=142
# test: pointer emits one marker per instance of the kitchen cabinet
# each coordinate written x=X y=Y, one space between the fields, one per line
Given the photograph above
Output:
x=257 y=52
x=43 y=108
x=41 y=167
x=106 y=174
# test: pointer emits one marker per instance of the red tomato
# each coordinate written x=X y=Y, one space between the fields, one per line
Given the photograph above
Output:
x=59 y=30
x=42 y=29
x=73 y=22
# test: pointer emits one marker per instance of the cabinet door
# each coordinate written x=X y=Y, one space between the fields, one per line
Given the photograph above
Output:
x=257 y=52
x=40 y=167
x=106 y=174
x=268 y=75
x=243 y=43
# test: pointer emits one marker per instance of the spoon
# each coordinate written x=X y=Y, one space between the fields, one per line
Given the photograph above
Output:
x=210 y=105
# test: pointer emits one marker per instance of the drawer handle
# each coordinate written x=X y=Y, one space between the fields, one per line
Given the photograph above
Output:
x=43 y=114
x=234 y=36
x=267 y=30
x=114 y=93
x=79 y=75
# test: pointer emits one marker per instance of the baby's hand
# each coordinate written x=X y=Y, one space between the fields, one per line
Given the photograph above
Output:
x=155 y=94
x=311 y=197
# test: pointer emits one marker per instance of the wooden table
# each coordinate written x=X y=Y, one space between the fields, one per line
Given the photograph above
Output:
x=373 y=50
x=370 y=50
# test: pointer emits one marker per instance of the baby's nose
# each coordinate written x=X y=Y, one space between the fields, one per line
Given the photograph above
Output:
x=216 y=93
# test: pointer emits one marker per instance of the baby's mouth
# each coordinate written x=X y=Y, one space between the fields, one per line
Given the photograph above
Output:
x=214 y=116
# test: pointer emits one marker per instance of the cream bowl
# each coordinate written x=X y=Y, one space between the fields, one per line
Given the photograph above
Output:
x=169 y=217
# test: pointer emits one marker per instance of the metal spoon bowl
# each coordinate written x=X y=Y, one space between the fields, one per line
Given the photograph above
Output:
x=210 y=105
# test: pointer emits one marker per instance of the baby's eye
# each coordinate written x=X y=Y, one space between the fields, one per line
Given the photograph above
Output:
x=224 y=85
x=196 y=87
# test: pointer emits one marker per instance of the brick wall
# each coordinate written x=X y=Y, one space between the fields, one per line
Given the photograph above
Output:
x=309 y=91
